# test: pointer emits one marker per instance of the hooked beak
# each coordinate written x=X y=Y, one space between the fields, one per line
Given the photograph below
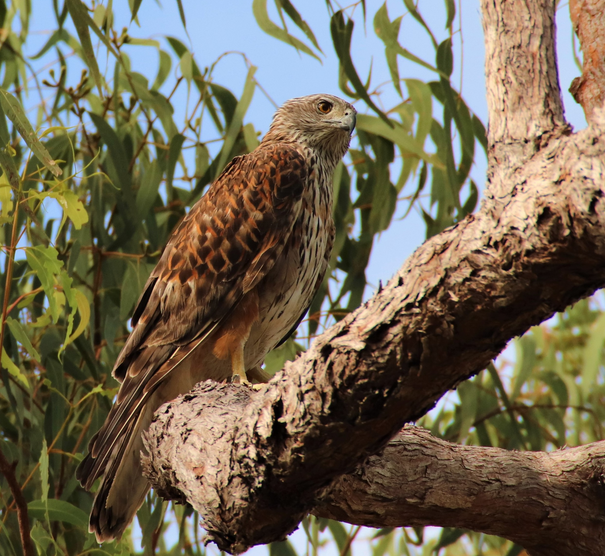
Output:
x=349 y=120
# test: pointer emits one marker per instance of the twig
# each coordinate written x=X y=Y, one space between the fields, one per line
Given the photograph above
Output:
x=8 y=471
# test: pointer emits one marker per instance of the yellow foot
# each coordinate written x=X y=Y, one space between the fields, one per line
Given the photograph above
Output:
x=238 y=379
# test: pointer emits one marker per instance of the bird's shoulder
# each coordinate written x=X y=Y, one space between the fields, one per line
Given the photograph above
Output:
x=227 y=242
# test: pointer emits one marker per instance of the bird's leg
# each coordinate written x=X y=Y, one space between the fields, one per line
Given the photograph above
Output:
x=234 y=333
x=237 y=364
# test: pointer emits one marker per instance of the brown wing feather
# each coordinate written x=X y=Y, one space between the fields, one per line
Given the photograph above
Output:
x=226 y=244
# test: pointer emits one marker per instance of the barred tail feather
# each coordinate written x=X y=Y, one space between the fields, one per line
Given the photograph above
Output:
x=123 y=488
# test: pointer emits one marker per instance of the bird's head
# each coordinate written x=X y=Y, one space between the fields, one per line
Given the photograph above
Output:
x=323 y=123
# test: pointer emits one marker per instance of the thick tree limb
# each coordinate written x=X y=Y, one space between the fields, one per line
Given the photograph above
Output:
x=254 y=463
x=552 y=504
x=522 y=86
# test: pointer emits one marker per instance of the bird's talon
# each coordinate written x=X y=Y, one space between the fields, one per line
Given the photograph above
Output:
x=237 y=379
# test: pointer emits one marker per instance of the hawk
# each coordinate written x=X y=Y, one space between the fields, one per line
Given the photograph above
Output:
x=234 y=281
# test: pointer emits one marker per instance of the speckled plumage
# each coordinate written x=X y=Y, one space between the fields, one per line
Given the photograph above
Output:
x=235 y=279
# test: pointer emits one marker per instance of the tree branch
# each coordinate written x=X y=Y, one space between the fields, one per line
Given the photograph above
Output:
x=589 y=89
x=551 y=504
x=8 y=471
x=522 y=86
x=254 y=463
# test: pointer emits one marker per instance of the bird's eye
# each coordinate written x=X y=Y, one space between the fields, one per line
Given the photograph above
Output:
x=324 y=107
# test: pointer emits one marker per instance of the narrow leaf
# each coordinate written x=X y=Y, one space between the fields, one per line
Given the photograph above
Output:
x=12 y=108
x=21 y=336
x=238 y=118
x=259 y=9
x=299 y=21
x=341 y=37
x=58 y=510
x=80 y=17
x=116 y=149
x=174 y=152
x=15 y=371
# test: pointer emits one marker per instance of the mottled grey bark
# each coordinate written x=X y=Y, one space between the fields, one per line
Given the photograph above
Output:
x=253 y=463
x=552 y=504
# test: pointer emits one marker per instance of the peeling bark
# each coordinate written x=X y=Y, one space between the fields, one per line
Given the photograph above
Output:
x=253 y=463
x=589 y=25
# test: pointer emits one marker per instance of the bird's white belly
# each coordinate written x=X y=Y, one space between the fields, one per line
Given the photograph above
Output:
x=287 y=292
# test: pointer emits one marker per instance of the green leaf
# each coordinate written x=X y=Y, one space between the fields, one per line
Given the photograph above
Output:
x=60 y=35
x=15 y=371
x=163 y=70
x=72 y=207
x=467 y=392
x=116 y=150
x=394 y=133
x=259 y=9
x=83 y=306
x=149 y=188
x=238 y=118
x=422 y=101
x=593 y=355
x=299 y=21
x=12 y=108
x=180 y=50
x=409 y=4
x=21 y=336
x=480 y=133
x=514 y=425
x=471 y=202
x=133 y=282
x=5 y=137
x=388 y=32
x=81 y=20
x=182 y=13
x=341 y=37
x=450 y=7
x=276 y=359
x=445 y=58
x=174 y=152
x=42 y=538
x=10 y=177
x=226 y=100
x=44 y=473
x=45 y=263
x=525 y=348
x=134 y=9
x=58 y=510
x=6 y=200
x=448 y=536
x=283 y=548
x=251 y=137
x=339 y=533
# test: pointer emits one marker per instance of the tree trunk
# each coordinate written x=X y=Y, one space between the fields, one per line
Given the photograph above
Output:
x=253 y=463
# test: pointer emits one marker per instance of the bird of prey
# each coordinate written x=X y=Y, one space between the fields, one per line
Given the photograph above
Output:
x=234 y=281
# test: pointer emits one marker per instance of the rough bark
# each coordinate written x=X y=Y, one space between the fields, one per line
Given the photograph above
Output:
x=254 y=463
x=589 y=25
x=552 y=504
